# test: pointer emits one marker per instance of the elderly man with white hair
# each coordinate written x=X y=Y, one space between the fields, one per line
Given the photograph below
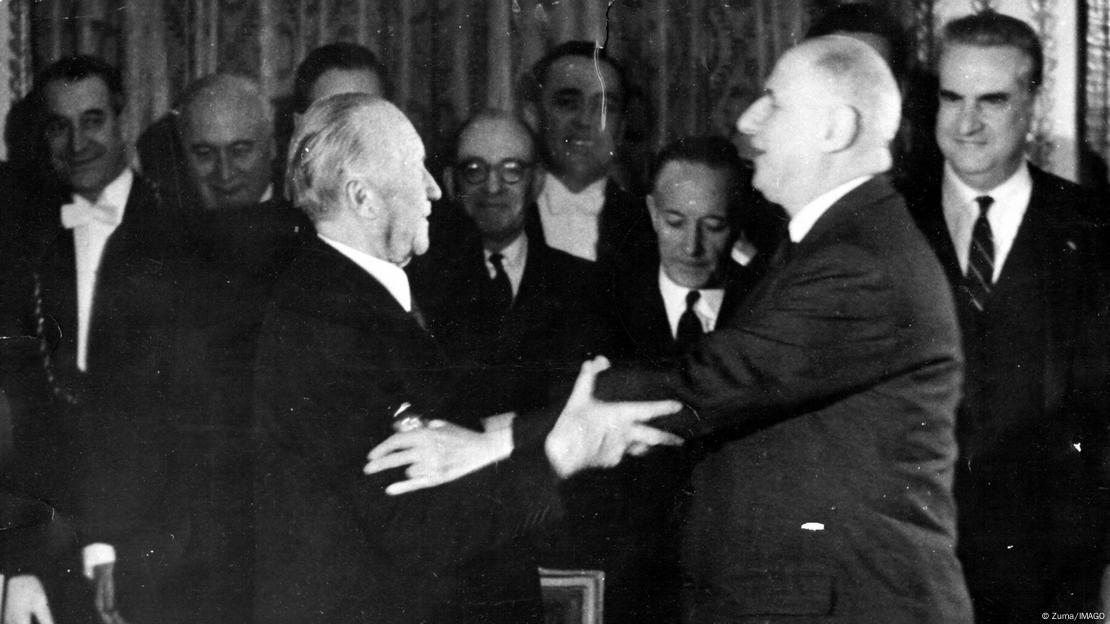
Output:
x=226 y=126
x=342 y=362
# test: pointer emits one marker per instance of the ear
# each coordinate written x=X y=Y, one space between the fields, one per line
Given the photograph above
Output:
x=843 y=128
x=362 y=199
x=1039 y=110
x=654 y=212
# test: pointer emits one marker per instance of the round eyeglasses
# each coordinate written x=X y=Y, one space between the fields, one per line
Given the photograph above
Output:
x=510 y=170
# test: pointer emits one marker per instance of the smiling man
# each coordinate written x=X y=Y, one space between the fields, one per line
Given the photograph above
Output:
x=579 y=107
x=102 y=303
x=500 y=300
x=1026 y=268
x=226 y=126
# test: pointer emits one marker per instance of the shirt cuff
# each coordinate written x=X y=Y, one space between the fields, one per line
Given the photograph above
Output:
x=97 y=554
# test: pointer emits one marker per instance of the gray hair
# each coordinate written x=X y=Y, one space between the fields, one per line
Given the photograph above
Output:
x=338 y=136
x=221 y=85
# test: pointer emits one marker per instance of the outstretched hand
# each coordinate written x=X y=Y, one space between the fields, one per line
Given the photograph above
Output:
x=438 y=453
x=597 y=434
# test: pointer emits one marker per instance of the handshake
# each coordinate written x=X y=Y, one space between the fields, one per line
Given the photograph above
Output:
x=588 y=434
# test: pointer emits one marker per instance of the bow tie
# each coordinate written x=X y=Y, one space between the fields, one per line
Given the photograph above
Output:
x=82 y=213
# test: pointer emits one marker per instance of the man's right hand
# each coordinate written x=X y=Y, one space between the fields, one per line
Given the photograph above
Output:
x=596 y=434
x=104 y=586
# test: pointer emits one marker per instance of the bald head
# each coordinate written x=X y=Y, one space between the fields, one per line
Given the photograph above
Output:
x=829 y=111
x=859 y=77
x=225 y=122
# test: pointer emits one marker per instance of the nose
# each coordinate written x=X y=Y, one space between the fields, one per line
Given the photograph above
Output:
x=223 y=166
x=77 y=141
x=585 y=115
x=493 y=181
x=692 y=241
x=430 y=187
x=752 y=117
x=970 y=121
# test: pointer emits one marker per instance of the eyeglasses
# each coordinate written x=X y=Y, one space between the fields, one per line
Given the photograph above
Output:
x=510 y=170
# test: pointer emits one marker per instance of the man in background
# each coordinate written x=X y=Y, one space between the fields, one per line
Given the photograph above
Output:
x=579 y=113
x=226 y=127
x=93 y=422
x=516 y=312
x=1028 y=272
x=699 y=202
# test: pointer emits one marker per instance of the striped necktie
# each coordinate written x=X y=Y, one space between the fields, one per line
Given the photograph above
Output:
x=980 y=259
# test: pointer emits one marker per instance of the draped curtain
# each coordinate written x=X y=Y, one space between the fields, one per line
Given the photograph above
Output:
x=696 y=63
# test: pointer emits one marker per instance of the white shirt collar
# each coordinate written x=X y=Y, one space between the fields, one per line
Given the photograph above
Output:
x=114 y=194
x=1011 y=199
x=267 y=195
x=513 y=258
x=389 y=275
x=674 y=301
x=802 y=223
x=558 y=198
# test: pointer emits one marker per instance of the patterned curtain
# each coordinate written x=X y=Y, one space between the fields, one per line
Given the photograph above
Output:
x=697 y=63
x=1097 y=93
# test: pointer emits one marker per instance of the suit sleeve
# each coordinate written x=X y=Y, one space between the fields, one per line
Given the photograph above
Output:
x=824 y=329
x=323 y=403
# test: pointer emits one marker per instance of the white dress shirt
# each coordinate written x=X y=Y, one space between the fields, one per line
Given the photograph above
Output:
x=388 y=274
x=570 y=220
x=802 y=223
x=513 y=257
x=1011 y=198
x=674 y=300
x=89 y=240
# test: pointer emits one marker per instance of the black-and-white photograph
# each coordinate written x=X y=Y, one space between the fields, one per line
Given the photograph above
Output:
x=554 y=311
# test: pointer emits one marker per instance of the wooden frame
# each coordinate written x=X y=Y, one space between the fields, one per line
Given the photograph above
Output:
x=573 y=596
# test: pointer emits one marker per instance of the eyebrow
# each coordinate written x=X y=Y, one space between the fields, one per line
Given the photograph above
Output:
x=989 y=97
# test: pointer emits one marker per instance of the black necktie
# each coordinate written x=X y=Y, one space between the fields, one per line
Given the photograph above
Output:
x=501 y=288
x=980 y=259
x=689 y=325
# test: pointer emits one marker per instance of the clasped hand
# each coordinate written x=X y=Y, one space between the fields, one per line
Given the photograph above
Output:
x=588 y=434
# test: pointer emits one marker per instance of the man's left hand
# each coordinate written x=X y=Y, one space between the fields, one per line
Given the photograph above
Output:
x=436 y=454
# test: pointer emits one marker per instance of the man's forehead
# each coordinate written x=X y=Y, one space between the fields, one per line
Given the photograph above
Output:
x=70 y=96
x=681 y=180
x=976 y=64
x=226 y=119
x=580 y=72
x=495 y=139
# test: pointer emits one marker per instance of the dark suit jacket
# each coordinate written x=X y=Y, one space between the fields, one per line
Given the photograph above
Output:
x=230 y=262
x=1032 y=523
x=625 y=520
x=827 y=407
x=518 y=360
x=100 y=442
x=336 y=358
